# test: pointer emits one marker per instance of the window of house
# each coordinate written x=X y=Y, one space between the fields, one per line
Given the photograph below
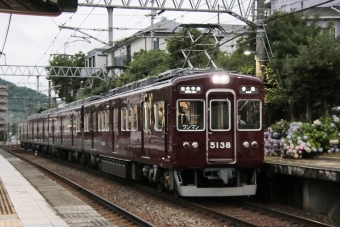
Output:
x=155 y=43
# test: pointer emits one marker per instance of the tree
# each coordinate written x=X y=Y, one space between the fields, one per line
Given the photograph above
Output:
x=67 y=87
x=286 y=33
x=313 y=73
x=182 y=41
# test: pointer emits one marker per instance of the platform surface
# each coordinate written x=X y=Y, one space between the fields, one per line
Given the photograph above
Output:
x=30 y=209
x=39 y=201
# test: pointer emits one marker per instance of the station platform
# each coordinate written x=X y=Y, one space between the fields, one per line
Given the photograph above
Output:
x=30 y=199
x=309 y=184
x=320 y=168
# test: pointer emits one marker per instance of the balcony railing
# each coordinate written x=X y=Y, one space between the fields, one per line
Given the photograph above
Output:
x=123 y=60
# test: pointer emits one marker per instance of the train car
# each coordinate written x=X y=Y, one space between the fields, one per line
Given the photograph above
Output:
x=195 y=132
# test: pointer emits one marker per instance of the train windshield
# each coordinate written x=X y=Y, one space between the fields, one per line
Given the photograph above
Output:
x=190 y=115
x=249 y=114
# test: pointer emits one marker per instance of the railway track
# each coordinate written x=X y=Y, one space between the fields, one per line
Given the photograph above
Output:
x=222 y=212
x=117 y=215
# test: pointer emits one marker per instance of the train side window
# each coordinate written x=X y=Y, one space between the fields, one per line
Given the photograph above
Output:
x=94 y=121
x=86 y=123
x=146 y=117
x=115 y=120
x=134 y=116
x=220 y=115
x=123 y=119
x=77 y=124
x=128 y=118
x=100 y=121
x=159 y=115
x=190 y=115
x=249 y=111
x=105 y=120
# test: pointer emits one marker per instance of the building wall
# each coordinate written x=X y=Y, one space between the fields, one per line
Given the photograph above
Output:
x=3 y=107
x=288 y=5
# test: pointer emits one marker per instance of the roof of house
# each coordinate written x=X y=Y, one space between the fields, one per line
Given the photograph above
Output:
x=324 y=12
x=164 y=26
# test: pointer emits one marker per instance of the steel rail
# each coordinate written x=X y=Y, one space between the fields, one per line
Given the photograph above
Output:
x=133 y=218
x=286 y=216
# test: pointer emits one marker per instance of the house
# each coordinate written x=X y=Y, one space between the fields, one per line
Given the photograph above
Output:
x=150 y=38
x=96 y=58
x=329 y=12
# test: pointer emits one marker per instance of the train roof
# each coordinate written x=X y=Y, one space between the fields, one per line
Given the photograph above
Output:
x=136 y=85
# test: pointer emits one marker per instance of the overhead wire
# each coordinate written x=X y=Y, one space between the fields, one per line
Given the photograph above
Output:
x=6 y=35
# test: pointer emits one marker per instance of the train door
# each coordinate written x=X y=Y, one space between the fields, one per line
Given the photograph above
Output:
x=220 y=131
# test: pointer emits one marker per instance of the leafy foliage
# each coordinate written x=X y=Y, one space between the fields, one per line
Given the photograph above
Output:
x=66 y=88
x=303 y=140
x=22 y=100
x=182 y=41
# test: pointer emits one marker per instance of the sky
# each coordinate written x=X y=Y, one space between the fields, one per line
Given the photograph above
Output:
x=33 y=40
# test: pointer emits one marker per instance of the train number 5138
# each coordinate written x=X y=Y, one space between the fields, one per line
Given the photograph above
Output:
x=217 y=145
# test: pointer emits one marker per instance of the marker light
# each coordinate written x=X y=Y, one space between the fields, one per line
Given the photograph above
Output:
x=220 y=79
x=194 y=145
x=186 y=145
x=254 y=144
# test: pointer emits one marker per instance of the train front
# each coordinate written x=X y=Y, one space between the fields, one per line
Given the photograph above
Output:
x=217 y=138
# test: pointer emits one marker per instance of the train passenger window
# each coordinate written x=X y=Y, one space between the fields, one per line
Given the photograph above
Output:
x=123 y=119
x=146 y=117
x=249 y=111
x=105 y=121
x=86 y=123
x=190 y=115
x=134 y=117
x=159 y=115
x=94 y=121
x=115 y=119
x=128 y=119
x=77 y=125
x=219 y=115
x=100 y=121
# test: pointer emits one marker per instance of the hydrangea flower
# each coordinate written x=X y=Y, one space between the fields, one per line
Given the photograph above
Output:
x=317 y=122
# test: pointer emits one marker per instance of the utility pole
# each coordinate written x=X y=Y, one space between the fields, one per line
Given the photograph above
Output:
x=153 y=14
x=110 y=18
x=259 y=56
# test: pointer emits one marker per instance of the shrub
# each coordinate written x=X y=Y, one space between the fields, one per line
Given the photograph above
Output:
x=302 y=140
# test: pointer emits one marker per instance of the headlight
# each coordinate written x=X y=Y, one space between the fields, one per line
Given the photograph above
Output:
x=246 y=144
x=220 y=79
x=194 y=145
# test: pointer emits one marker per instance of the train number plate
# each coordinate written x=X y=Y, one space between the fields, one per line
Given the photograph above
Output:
x=220 y=145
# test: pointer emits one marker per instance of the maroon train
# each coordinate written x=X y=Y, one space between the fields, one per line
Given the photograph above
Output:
x=196 y=132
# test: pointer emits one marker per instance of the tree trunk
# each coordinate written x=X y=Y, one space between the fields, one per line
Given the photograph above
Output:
x=291 y=111
x=308 y=111
x=325 y=105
